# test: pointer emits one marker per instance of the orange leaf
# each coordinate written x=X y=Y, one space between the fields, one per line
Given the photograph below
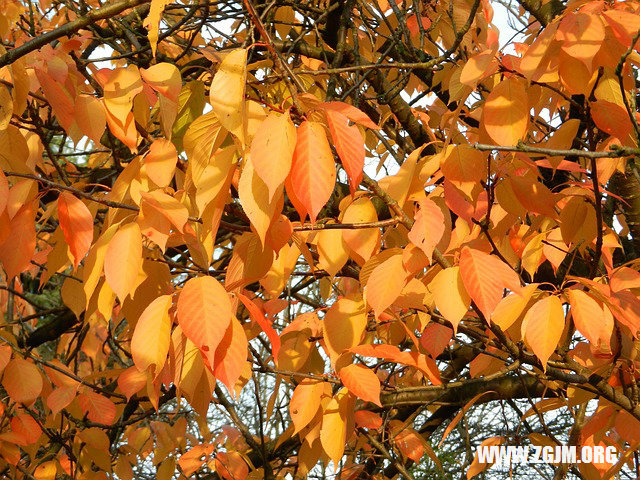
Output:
x=450 y=296
x=428 y=228
x=349 y=145
x=131 y=381
x=90 y=116
x=414 y=359
x=231 y=355
x=542 y=327
x=582 y=35
x=150 y=340
x=362 y=382
x=161 y=161
x=351 y=112
x=22 y=381
x=272 y=150
x=257 y=315
x=61 y=398
x=98 y=408
x=305 y=403
x=385 y=284
x=435 y=338
x=369 y=420
x=611 y=118
x=76 y=223
x=26 y=427
x=478 y=67
x=313 y=172
x=505 y=114
x=343 y=326
x=191 y=461
x=485 y=277
x=18 y=248
x=204 y=313
x=231 y=466
x=123 y=260
x=592 y=319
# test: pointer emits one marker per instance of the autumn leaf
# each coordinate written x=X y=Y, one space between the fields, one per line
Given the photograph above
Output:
x=76 y=223
x=226 y=93
x=542 y=327
x=150 y=340
x=204 y=313
x=313 y=172
x=272 y=150
x=362 y=382
x=305 y=403
x=428 y=228
x=385 y=284
x=450 y=295
x=505 y=114
x=22 y=381
x=485 y=277
x=349 y=145
x=592 y=319
x=343 y=326
x=333 y=433
x=152 y=22
x=161 y=161
x=123 y=260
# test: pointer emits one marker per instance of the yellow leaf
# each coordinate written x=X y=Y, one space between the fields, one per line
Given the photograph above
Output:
x=254 y=198
x=512 y=306
x=226 y=94
x=150 y=340
x=161 y=161
x=343 y=326
x=152 y=22
x=202 y=139
x=385 y=284
x=123 y=260
x=121 y=86
x=332 y=251
x=272 y=150
x=505 y=114
x=94 y=263
x=450 y=296
x=333 y=434
x=305 y=402
x=362 y=241
x=6 y=107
